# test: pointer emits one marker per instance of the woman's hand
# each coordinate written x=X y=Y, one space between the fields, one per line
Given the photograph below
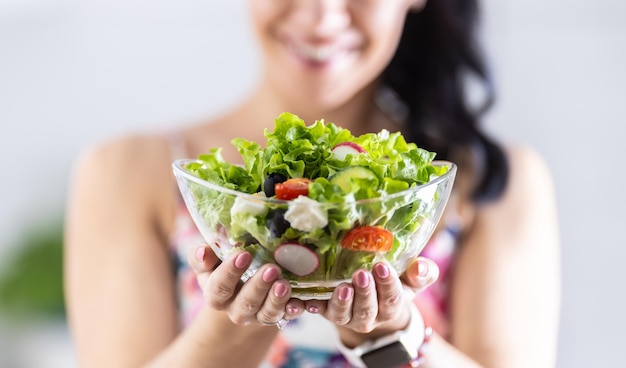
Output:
x=377 y=303
x=263 y=299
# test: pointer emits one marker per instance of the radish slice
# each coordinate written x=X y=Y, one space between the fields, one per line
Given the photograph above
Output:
x=345 y=148
x=296 y=258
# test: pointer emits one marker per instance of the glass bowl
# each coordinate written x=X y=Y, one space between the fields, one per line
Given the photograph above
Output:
x=358 y=233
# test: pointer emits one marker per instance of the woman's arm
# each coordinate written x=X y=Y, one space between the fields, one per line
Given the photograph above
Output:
x=118 y=278
x=118 y=273
x=506 y=285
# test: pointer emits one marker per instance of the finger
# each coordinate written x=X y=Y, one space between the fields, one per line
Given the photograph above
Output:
x=389 y=290
x=202 y=259
x=253 y=294
x=273 y=309
x=315 y=306
x=222 y=284
x=420 y=274
x=294 y=308
x=365 y=307
x=339 y=306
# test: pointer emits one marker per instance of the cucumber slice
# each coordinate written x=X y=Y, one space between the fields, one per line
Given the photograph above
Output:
x=344 y=177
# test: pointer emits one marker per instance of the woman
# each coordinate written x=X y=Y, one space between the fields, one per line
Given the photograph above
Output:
x=365 y=65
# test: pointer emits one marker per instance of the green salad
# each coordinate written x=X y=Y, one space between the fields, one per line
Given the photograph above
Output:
x=319 y=201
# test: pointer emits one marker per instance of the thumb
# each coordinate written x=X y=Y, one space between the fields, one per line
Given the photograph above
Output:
x=202 y=259
x=420 y=274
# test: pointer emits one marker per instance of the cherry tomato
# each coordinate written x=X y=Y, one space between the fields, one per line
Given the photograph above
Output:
x=292 y=188
x=368 y=239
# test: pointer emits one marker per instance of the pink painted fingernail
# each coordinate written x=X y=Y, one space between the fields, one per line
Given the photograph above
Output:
x=270 y=274
x=242 y=260
x=292 y=309
x=344 y=294
x=200 y=253
x=281 y=290
x=361 y=279
x=382 y=270
x=422 y=268
x=313 y=309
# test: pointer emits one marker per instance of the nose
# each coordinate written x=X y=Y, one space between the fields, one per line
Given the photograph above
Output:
x=321 y=18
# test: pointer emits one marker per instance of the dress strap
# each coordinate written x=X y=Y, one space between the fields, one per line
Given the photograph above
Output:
x=178 y=149
x=176 y=142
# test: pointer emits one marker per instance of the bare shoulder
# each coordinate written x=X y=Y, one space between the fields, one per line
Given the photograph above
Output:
x=125 y=176
x=528 y=167
x=127 y=162
x=528 y=204
x=130 y=155
x=530 y=183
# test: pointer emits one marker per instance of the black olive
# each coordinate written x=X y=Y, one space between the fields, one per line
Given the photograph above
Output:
x=271 y=180
x=275 y=221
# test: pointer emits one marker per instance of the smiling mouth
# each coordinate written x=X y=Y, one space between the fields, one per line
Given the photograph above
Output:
x=320 y=54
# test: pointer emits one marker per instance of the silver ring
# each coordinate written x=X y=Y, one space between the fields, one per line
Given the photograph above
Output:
x=280 y=324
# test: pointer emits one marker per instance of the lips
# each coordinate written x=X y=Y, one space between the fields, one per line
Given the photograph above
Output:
x=316 y=53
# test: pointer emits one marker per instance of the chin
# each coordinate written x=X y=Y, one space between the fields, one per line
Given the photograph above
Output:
x=325 y=92
x=322 y=100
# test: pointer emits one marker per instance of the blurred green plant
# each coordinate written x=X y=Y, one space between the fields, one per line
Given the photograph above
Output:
x=31 y=281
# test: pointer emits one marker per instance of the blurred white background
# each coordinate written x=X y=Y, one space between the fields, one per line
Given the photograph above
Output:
x=75 y=72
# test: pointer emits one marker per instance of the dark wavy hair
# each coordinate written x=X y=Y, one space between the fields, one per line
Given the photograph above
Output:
x=429 y=73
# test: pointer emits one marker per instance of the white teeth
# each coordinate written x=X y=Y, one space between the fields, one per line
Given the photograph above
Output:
x=318 y=54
